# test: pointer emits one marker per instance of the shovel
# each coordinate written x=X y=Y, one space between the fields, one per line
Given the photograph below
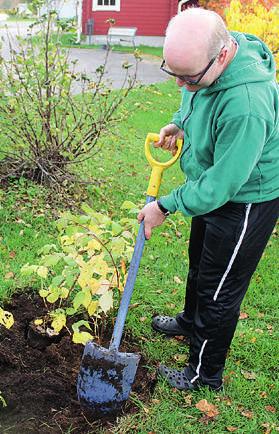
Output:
x=106 y=375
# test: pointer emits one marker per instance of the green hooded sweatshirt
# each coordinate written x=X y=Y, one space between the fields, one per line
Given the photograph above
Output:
x=231 y=135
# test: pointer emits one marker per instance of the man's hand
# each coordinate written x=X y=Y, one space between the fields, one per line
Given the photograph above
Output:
x=152 y=216
x=168 y=136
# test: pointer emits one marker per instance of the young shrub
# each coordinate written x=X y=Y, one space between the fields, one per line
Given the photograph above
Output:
x=82 y=276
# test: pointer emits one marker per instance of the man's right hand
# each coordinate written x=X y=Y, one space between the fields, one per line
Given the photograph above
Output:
x=168 y=136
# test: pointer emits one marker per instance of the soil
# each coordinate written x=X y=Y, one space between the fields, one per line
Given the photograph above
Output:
x=39 y=387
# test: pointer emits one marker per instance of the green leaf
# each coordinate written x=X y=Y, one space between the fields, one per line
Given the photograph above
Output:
x=46 y=249
x=71 y=311
x=116 y=228
x=130 y=206
x=53 y=296
x=59 y=320
x=57 y=280
x=69 y=261
x=81 y=337
x=127 y=204
x=43 y=293
x=118 y=246
x=82 y=298
x=42 y=271
x=27 y=269
x=52 y=260
x=76 y=326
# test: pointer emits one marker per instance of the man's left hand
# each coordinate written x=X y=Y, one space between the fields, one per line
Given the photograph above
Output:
x=152 y=216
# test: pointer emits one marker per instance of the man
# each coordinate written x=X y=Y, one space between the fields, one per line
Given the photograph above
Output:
x=229 y=118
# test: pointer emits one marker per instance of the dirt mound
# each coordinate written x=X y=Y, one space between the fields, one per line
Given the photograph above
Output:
x=39 y=387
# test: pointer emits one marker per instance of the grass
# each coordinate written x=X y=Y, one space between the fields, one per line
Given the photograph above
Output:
x=68 y=41
x=247 y=405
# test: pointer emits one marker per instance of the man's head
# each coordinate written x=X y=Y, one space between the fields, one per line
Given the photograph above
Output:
x=198 y=47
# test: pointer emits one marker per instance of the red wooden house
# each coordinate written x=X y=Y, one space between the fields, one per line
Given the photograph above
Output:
x=150 y=17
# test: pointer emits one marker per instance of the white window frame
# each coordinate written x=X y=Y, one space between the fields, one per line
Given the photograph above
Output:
x=180 y=4
x=96 y=7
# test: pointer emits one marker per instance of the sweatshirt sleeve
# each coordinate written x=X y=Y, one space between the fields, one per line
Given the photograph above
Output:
x=177 y=119
x=238 y=147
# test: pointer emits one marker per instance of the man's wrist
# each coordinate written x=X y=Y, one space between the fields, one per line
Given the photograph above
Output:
x=164 y=210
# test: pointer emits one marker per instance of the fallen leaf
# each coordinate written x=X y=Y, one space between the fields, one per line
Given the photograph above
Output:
x=12 y=254
x=231 y=428
x=143 y=318
x=132 y=306
x=270 y=408
x=247 y=413
x=9 y=275
x=263 y=395
x=177 y=279
x=180 y=358
x=188 y=399
x=253 y=340
x=249 y=375
x=209 y=409
x=267 y=426
x=179 y=338
x=228 y=401
x=243 y=315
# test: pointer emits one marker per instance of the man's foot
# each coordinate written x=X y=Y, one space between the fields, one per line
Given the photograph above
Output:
x=179 y=380
x=176 y=378
x=169 y=326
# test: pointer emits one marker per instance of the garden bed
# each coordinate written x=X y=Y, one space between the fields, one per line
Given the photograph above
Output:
x=39 y=387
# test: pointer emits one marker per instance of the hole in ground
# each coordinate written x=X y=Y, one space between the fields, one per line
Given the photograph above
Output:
x=40 y=386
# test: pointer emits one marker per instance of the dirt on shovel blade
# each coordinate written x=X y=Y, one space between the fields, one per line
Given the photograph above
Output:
x=39 y=387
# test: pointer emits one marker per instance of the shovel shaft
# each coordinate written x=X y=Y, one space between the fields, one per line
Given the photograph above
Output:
x=129 y=287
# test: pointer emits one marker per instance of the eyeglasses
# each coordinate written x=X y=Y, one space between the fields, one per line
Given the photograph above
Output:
x=189 y=79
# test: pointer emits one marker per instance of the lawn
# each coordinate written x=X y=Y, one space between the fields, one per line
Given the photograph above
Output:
x=249 y=402
x=68 y=41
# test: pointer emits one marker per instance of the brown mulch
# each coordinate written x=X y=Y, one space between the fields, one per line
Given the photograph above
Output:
x=39 y=387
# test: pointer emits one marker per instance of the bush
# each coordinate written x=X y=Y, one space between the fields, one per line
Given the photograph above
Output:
x=46 y=129
x=82 y=277
x=255 y=18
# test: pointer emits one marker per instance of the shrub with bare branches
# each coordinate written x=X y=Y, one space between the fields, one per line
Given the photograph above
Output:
x=46 y=127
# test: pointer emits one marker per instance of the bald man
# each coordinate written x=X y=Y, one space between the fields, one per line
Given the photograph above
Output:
x=229 y=119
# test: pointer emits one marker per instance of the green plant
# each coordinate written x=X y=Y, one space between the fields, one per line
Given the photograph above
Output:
x=87 y=271
x=46 y=129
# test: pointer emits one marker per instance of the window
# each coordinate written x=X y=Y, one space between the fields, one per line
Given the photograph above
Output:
x=106 y=5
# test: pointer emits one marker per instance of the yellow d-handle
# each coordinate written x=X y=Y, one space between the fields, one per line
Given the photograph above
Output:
x=157 y=167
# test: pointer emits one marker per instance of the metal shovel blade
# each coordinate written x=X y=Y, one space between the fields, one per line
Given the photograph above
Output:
x=105 y=378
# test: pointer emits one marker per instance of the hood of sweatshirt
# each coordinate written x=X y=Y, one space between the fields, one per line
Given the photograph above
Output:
x=253 y=63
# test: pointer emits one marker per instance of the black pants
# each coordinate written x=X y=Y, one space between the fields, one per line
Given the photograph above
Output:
x=224 y=250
